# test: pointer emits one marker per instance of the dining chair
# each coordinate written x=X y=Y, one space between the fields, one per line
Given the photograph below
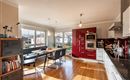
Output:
x=29 y=59
x=63 y=54
x=33 y=59
x=59 y=46
x=55 y=56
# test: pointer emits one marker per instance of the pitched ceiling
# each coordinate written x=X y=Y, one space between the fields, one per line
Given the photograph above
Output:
x=66 y=13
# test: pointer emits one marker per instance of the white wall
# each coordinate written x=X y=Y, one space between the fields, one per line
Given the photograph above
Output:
x=9 y=17
x=102 y=29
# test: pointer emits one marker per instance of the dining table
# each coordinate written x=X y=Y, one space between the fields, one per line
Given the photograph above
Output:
x=45 y=53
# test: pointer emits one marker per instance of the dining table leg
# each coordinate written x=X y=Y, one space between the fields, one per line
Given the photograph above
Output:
x=45 y=63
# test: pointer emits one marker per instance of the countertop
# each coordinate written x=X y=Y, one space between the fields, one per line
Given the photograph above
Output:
x=122 y=65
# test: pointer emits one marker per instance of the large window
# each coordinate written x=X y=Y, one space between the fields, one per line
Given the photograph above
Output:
x=40 y=38
x=68 y=38
x=59 y=38
x=32 y=38
x=63 y=38
x=28 y=38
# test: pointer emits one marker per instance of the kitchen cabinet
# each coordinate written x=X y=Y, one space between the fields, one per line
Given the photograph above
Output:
x=79 y=43
x=126 y=22
x=111 y=70
x=99 y=54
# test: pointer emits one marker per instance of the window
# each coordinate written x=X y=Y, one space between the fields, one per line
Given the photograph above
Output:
x=32 y=38
x=28 y=38
x=59 y=38
x=68 y=38
x=63 y=38
x=40 y=38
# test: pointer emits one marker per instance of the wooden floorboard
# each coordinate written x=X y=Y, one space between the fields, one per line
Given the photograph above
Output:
x=72 y=69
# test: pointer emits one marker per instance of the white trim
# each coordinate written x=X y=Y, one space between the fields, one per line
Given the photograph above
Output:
x=87 y=60
x=118 y=18
x=100 y=22
x=26 y=22
x=86 y=24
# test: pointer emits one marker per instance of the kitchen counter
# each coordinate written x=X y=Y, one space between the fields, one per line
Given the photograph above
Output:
x=122 y=65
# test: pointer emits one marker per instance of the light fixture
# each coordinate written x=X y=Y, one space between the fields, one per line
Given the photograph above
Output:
x=80 y=24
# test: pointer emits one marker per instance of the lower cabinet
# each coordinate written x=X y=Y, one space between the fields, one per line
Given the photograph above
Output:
x=111 y=70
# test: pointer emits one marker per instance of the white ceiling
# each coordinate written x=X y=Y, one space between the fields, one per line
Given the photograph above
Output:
x=65 y=13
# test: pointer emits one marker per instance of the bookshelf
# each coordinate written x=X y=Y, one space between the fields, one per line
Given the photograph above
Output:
x=11 y=67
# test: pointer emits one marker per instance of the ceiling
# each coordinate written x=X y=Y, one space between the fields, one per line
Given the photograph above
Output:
x=66 y=13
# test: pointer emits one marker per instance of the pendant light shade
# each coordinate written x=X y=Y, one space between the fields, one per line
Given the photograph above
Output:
x=80 y=24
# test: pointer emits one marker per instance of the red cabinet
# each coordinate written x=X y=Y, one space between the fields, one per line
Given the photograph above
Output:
x=78 y=43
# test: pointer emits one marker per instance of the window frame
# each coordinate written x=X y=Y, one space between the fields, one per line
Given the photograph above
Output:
x=63 y=39
x=35 y=36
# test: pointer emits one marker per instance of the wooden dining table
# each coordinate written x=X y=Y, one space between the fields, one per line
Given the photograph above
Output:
x=45 y=53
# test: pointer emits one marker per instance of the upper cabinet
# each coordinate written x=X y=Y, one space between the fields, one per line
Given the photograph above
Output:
x=126 y=22
x=125 y=17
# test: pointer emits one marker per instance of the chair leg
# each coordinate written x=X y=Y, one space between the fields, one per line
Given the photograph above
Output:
x=35 y=71
x=60 y=59
x=47 y=62
x=65 y=58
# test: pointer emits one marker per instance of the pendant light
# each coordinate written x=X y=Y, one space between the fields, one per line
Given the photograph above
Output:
x=80 y=24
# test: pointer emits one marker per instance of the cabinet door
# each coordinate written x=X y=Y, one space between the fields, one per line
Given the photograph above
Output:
x=74 y=44
x=116 y=73
x=99 y=55
x=126 y=22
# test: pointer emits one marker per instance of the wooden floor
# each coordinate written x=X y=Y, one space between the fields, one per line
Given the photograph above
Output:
x=72 y=70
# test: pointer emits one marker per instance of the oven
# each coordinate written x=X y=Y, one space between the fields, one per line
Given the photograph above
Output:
x=90 y=41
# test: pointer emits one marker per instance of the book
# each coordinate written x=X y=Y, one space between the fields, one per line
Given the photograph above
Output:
x=10 y=65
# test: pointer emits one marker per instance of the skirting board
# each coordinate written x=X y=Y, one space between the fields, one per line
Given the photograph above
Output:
x=88 y=60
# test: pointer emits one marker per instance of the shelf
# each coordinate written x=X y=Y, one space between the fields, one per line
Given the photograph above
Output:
x=9 y=56
x=5 y=74
x=8 y=38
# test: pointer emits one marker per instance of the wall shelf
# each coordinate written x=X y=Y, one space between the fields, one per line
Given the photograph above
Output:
x=9 y=39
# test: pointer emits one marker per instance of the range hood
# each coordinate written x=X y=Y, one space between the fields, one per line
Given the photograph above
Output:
x=116 y=26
